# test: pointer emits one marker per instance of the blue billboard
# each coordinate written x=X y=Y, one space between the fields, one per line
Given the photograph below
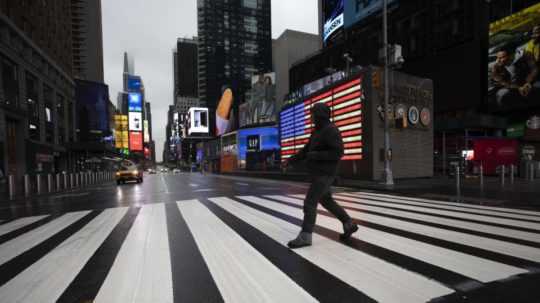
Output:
x=134 y=83
x=257 y=139
x=92 y=109
x=135 y=102
x=333 y=17
x=357 y=10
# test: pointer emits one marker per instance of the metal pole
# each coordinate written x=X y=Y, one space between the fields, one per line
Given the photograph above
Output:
x=26 y=185
x=531 y=171
x=12 y=186
x=458 y=183
x=65 y=181
x=503 y=173
x=38 y=182
x=445 y=173
x=50 y=183
x=389 y=179
x=481 y=175
x=512 y=172
x=71 y=179
x=58 y=182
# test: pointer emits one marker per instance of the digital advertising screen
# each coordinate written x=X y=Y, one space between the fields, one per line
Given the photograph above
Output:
x=260 y=107
x=135 y=102
x=333 y=17
x=345 y=102
x=358 y=10
x=146 y=132
x=135 y=141
x=198 y=120
x=257 y=139
x=134 y=83
x=135 y=121
x=224 y=112
x=514 y=62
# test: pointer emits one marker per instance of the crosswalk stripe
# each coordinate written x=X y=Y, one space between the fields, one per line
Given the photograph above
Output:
x=458 y=210
x=467 y=265
x=511 y=234
x=46 y=279
x=490 y=220
x=507 y=248
x=192 y=281
x=18 y=223
x=85 y=286
x=241 y=273
x=21 y=231
x=360 y=270
x=460 y=205
x=19 y=245
x=142 y=269
x=304 y=273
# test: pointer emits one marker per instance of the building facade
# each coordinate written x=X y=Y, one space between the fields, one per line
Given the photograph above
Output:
x=186 y=76
x=234 y=44
x=87 y=40
x=37 y=91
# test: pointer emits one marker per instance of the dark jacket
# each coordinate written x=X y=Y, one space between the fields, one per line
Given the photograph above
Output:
x=325 y=147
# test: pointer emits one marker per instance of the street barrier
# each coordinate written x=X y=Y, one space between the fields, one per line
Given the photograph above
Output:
x=58 y=182
x=503 y=175
x=49 y=183
x=481 y=176
x=458 y=184
x=38 y=182
x=65 y=181
x=12 y=187
x=26 y=185
x=512 y=173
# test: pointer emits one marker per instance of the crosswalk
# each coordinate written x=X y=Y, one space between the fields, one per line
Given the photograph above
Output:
x=233 y=249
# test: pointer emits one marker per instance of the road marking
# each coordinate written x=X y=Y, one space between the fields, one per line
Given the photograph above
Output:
x=19 y=223
x=203 y=190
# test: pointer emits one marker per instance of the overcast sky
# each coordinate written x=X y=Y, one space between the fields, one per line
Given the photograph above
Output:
x=147 y=30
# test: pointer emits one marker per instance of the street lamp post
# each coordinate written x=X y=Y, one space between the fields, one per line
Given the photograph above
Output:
x=388 y=177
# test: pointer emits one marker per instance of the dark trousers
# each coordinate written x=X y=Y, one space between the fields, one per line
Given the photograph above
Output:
x=320 y=191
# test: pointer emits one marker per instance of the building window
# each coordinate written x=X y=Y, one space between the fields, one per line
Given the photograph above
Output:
x=250 y=48
x=49 y=124
x=10 y=83
x=60 y=116
x=250 y=24
x=250 y=4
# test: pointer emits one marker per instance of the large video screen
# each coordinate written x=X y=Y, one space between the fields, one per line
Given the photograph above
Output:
x=260 y=106
x=135 y=102
x=198 y=120
x=224 y=117
x=135 y=141
x=514 y=61
x=257 y=139
x=345 y=102
x=135 y=121
x=357 y=10
x=134 y=83
x=333 y=17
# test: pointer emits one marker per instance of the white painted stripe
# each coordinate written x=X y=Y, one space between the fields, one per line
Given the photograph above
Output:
x=437 y=202
x=348 y=91
x=241 y=273
x=46 y=280
x=142 y=269
x=352 y=139
x=19 y=223
x=24 y=242
x=349 y=127
x=464 y=264
x=193 y=185
x=346 y=104
x=353 y=151
x=347 y=115
x=457 y=215
x=503 y=247
x=382 y=281
x=494 y=230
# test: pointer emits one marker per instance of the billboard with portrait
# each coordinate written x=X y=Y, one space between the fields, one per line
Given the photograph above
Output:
x=333 y=19
x=135 y=102
x=514 y=61
x=260 y=106
x=135 y=121
x=358 y=10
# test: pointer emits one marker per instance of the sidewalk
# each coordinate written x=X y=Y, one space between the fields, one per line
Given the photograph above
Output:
x=522 y=194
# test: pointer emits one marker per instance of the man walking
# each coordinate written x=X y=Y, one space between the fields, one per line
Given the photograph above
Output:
x=322 y=154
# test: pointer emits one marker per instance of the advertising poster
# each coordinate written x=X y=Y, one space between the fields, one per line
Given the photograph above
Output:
x=514 y=61
x=135 y=102
x=135 y=141
x=261 y=107
x=146 y=132
x=135 y=122
x=358 y=10
x=333 y=17
x=198 y=120
x=134 y=84
x=121 y=131
x=224 y=112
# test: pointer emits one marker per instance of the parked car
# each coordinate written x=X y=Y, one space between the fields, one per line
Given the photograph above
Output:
x=176 y=171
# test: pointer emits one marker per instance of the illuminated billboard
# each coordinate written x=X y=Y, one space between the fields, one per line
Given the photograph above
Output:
x=260 y=106
x=333 y=17
x=135 y=121
x=224 y=112
x=134 y=83
x=357 y=10
x=345 y=102
x=514 y=61
x=121 y=131
x=198 y=121
x=146 y=132
x=135 y=141
x=135 y=102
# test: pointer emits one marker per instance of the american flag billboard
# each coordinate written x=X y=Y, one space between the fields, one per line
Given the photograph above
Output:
x=345 y=102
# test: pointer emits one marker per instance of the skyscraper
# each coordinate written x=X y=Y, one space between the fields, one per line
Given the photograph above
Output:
x=87 y=40
x=234 y=44
x=185 y=68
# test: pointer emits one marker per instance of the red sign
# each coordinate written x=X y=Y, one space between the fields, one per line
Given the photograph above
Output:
x=495 y=152
x=135 y=141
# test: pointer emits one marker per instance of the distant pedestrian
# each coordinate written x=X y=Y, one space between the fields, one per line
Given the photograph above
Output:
x=322 y=154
